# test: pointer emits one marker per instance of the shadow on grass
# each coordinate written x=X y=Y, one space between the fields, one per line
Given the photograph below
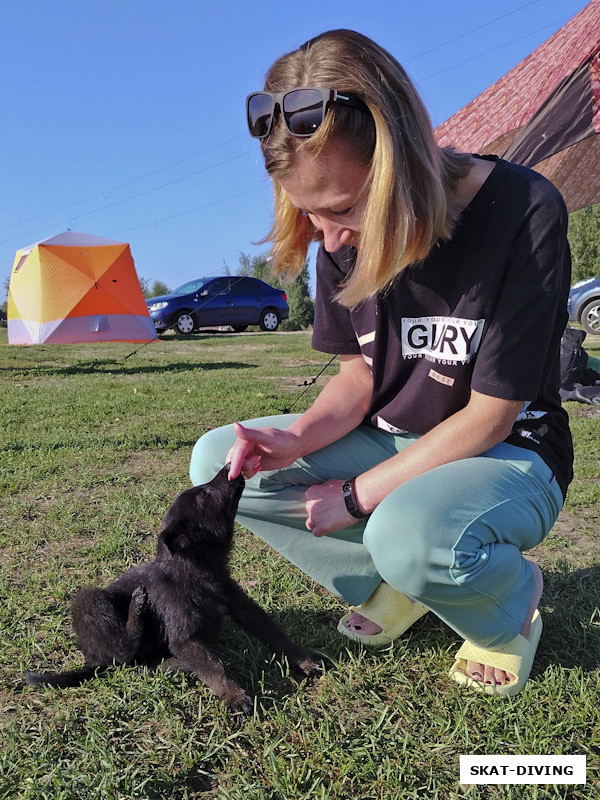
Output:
x=571 y=639
x=151 y=441
x=191 y=780
x=569 y=607
x=117 y=367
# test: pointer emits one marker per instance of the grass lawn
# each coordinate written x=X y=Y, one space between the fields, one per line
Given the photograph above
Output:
x=95 y=446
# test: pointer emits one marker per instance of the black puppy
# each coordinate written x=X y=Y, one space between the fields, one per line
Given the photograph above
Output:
x=172 y=608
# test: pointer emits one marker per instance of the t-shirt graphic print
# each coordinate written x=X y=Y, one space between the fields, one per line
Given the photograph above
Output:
x=444 y=340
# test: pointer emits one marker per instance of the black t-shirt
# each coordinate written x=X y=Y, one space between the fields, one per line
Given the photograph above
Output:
x=484 y=311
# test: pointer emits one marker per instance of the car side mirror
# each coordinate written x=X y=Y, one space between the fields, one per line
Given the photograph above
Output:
x=204 y=293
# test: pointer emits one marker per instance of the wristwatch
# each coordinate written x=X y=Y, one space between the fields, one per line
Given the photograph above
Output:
x=350 y=499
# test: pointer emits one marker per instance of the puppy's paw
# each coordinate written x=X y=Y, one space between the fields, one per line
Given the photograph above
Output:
x=311 y=666
x=240 y=708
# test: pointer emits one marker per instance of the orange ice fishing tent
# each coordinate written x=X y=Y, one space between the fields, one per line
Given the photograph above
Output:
x=76 y=287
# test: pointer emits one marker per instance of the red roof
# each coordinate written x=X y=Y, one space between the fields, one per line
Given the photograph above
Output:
x=512 y=100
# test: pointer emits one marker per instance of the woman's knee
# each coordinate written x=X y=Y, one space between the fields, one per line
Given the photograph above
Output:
x=209 y=454
x=409 y=543
x=396 y=559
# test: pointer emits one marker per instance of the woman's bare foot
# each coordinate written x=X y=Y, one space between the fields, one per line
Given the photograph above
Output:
x=498 y=677
x=361 y=625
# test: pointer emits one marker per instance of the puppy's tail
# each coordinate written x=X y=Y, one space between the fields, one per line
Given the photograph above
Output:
x=62 y=679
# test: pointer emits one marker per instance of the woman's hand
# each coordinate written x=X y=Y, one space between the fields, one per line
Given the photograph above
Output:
x=326 y=509
x=258 y=449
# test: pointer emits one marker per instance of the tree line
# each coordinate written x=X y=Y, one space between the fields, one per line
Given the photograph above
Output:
x=584 y=238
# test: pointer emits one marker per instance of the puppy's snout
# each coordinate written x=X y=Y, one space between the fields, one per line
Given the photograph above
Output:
x=224 y=474
x=227 y=469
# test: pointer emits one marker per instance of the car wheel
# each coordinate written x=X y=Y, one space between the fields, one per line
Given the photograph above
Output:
x=184 y=323
x=269 y=321
x=590 y=316
x=239 y=328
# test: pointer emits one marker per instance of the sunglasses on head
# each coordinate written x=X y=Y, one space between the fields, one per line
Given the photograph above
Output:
x=303 y=109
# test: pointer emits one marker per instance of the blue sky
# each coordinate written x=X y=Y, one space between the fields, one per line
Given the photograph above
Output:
x=125 y=118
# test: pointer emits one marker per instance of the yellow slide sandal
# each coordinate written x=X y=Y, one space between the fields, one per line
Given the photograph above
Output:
x=393 y=611
x=515 y=657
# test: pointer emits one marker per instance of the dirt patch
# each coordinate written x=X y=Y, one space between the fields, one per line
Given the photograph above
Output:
x=145 y=463
x=583 y=410
x=570 y=541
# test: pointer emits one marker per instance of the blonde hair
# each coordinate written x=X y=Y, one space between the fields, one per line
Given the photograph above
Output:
x=411 y=180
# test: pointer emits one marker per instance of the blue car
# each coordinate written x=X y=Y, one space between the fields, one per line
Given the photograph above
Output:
x=584 y=304
x=228 y=300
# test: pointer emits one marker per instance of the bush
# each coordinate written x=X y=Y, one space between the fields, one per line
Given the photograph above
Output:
x=584 y=238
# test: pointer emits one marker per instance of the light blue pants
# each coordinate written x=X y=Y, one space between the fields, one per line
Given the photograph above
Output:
x=451 y=538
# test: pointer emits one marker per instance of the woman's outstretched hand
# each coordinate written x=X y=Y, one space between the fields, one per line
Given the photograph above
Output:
x=258 y=449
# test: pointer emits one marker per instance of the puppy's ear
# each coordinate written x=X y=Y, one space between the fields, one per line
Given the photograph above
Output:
x=175 y=539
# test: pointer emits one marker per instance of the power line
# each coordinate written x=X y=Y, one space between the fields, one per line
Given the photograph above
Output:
x=154 y=223
x=123 y=185
x=491 y=50
x=164 y=185
x=131 y=197
x=137 y=123
x=468 y=33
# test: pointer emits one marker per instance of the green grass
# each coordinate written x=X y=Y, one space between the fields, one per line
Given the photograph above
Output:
x=94 y=447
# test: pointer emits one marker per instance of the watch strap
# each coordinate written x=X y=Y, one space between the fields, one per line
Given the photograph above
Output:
x=350 y=499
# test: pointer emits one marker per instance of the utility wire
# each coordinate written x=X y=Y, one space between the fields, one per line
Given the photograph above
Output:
x=468 y=33
x=123 y=185
x=154 y=223
x=446 y=69
x=491 y=50
x=73 y=220
x=139 y=122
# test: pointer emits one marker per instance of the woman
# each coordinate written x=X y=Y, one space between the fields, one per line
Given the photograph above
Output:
x=440 y=451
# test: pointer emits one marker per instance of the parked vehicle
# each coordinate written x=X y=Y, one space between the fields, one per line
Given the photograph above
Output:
x=584 y=304
x=227 y=300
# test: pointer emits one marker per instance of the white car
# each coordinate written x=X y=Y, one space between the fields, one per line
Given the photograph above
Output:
x=584 y=304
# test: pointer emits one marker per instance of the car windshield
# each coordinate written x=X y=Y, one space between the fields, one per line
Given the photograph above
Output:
x=191 y=286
